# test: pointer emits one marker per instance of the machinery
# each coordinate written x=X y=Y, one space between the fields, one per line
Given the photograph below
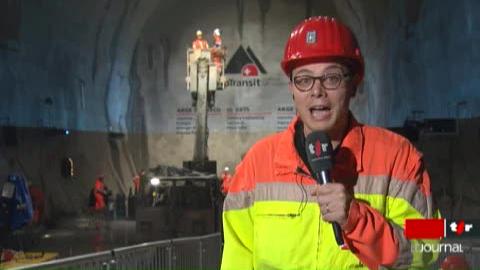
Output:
x=16 y=208
x=177 y=203
x=184 y=202
x=205 y=76
x=205 y=72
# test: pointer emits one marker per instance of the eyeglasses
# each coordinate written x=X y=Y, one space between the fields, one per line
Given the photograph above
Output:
x=329 y=81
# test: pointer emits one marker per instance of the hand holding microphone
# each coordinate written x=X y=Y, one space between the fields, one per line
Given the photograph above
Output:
x=334 y=202
x=333 y=198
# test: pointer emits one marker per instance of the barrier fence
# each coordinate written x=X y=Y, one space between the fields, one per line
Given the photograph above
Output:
x=203 y=252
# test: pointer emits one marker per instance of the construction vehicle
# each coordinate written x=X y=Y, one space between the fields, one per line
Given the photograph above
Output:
x=205 y=76
x=185 y=202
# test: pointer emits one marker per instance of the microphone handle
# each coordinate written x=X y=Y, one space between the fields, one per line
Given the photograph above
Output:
x=337 y=230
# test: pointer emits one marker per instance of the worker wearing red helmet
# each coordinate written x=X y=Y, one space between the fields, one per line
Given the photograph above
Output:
x=275 y=214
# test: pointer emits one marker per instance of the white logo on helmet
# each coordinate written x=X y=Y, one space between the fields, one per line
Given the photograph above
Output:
x=311 y=37
x=311 y=148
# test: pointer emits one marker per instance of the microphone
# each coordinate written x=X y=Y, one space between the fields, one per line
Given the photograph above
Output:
x=319 y=155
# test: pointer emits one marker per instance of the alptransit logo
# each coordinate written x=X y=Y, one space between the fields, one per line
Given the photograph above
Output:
x=244 y=63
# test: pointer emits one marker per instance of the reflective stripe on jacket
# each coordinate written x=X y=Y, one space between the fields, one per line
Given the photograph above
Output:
x=272 y=222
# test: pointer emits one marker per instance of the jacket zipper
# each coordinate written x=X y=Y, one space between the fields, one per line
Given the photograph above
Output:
x=299 y=171
x=318 y=240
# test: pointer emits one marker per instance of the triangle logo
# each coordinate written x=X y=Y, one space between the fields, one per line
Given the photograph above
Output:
x=245 y=63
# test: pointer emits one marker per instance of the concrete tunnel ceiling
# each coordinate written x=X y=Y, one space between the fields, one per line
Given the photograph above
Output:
x=402 y=41
x=72 y=65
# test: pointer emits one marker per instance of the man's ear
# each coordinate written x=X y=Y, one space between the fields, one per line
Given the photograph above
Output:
x=353 y=88
x=353 y=91
x=354 y=85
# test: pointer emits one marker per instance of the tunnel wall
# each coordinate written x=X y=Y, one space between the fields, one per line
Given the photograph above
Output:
x=67 y=70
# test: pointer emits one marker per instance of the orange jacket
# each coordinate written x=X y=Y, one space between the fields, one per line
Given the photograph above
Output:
x=271 y=220
x=217 y=41
x=99 y=195
x=136 y=183
x=199 y=44
x=226 y=178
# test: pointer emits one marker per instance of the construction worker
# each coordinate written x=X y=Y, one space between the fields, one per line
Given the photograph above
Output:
x=217 y=38
x=275 y=214
x=136 y=183
x=38 y=202
x=217 y=50
x=199 y=43
x=226 y=178
x=100 y=193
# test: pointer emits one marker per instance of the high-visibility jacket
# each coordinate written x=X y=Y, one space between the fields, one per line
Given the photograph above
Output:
x=226 y=178
x=217 y=41
x=199 y=44
x=136 y=183
x=99 y=190
x=271 y=221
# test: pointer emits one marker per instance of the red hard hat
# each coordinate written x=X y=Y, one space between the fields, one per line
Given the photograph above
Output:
x=321 y=39
x=454 y=262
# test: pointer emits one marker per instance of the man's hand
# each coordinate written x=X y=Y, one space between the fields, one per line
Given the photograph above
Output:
x=334 y=201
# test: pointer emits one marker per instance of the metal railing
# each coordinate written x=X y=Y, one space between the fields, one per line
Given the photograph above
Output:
x=203 y=252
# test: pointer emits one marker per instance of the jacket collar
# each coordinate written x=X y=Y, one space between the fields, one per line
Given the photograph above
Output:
x=286 y=159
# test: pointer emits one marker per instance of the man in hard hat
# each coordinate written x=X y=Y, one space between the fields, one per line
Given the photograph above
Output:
x=199 y=43
x=217 y=38
x=276 y=216
x=226 y=177
x=217 y=51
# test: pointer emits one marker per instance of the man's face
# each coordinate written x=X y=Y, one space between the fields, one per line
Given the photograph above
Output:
x=319 y=108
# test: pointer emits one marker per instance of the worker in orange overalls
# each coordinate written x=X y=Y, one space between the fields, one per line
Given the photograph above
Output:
x=100 y=193
x=199 y=43
x=136 y=183
x=217 y=52
x=217 y=38
x=38 y=202
x=226 y=177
